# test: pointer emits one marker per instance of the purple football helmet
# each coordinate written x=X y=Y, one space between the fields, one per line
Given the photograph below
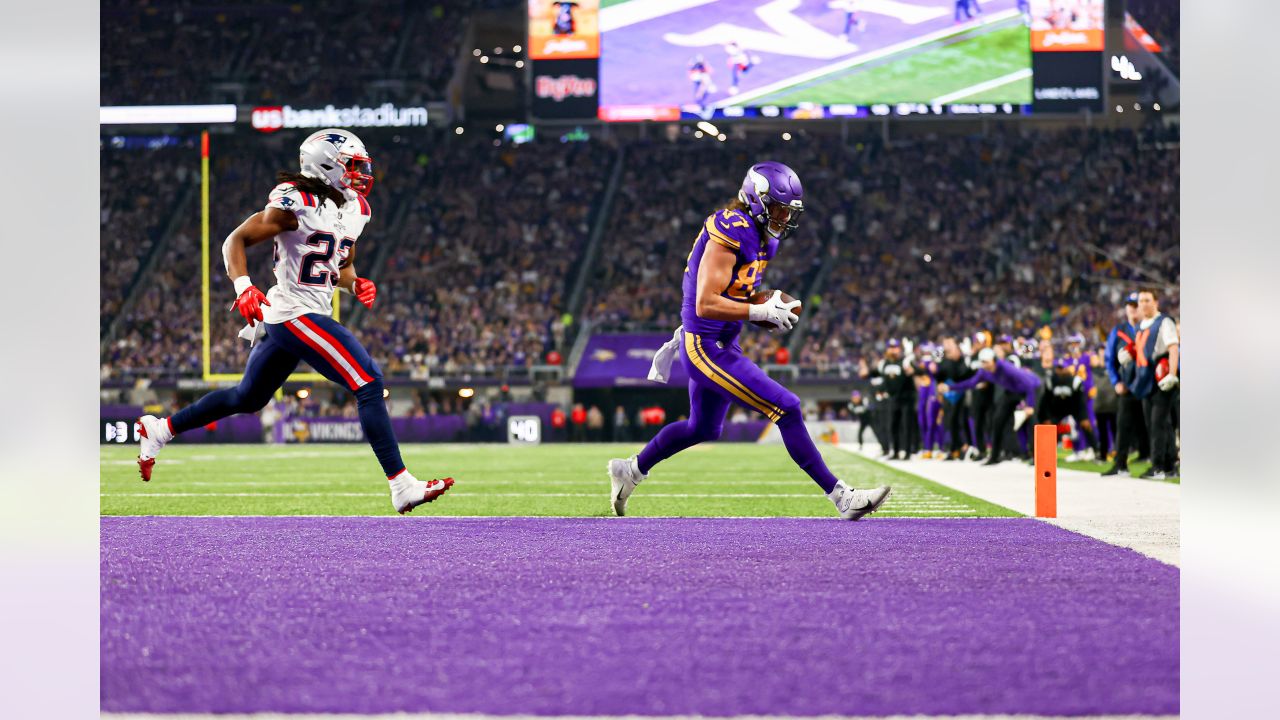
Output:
x=774 y=198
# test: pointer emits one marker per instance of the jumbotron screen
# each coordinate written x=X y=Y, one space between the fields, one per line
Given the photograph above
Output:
x=666 y=60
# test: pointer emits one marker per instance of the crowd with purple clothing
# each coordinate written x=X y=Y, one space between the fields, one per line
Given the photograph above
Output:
x=1009 y=232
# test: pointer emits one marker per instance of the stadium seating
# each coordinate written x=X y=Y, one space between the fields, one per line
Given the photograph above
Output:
x=1012 y=246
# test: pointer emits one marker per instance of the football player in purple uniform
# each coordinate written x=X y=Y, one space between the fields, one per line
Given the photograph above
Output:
x=724 y=269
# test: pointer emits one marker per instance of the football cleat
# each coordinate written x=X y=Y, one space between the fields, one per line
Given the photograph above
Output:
x=408 y=492
x=153 y=434
x=853 y=504
x=624 y=475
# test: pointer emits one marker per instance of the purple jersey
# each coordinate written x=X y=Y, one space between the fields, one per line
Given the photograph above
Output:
x=1083 y=368
x=734 y=230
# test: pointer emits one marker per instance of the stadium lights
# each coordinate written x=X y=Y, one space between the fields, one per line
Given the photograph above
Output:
x=928 y=258
x=708 y=128
x=497 y=51
x=697 y=133
x=519 y=63
x=499 y=127
x=1119 y=108
x=1156 y=107
x=466 y=392
x=458 y=130
x=516 y=48
x=1137 y=106
x=786 y=136
x=476 y=52
x=722 y=137
x=484 y=59
x=304 y=393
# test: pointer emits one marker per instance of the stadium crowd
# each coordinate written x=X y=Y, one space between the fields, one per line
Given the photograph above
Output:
x=921 y=239
x=198 y=51
x=994 y=232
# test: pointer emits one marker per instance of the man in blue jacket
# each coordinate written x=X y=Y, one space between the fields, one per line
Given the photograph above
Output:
x=1119 y=355
x=1020 y=386
x=1156 y=382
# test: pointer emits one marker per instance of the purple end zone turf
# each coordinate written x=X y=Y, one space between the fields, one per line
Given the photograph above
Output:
x=646 y=616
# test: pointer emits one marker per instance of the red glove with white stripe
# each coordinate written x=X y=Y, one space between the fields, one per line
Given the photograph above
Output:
x=249 y=304
x=365 y=291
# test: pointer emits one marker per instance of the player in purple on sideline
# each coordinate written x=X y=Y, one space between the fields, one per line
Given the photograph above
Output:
x=723 y=271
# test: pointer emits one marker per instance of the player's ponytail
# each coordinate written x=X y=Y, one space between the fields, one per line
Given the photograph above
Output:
x=312 y=185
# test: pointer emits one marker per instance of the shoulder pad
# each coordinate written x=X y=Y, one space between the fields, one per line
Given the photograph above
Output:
x=287 y=196
x=732 y=229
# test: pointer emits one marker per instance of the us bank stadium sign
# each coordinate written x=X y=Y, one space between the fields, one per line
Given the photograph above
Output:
x=272 y=118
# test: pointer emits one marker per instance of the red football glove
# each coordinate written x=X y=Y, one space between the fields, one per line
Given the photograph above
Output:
x=365 y=291
x=249 y=304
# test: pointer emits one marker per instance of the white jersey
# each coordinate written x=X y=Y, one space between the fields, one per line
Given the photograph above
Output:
x=308 y=260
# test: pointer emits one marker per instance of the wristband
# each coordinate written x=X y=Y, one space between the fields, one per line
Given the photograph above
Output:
x=242 y=283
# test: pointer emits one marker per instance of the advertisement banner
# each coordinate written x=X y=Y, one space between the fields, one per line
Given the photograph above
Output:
x=564 y=29
x=565 y=89
x=1067 y=26
x=612 y=360
x=1067 y=82
x=277 y=117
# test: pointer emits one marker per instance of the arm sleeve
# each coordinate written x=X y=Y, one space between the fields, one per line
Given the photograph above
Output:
x=1109 y=356
x=972 y=382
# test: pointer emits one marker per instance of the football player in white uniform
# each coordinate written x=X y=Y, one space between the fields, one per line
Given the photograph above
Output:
x=314 y=218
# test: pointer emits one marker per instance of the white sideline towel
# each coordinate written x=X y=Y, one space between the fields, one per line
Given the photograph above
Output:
x=660 y=370
x=253 y=333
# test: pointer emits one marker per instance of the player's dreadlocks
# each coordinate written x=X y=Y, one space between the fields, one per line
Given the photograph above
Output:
x=312 y=185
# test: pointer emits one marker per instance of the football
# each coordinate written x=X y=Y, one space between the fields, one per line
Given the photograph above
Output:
x=763 y=297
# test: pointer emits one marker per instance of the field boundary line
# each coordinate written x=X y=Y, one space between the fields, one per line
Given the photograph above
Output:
x=975 y=89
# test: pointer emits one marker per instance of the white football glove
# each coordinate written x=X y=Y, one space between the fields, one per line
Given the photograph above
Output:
x=966 y=346
x=775 y=312
x=1168 y=382
x=1123 y=357
x=908 y=347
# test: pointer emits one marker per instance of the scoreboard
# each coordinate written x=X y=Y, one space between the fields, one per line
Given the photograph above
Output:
x=667 y=60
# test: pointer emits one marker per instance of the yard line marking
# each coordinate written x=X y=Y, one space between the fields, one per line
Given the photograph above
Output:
x=975 y=89
x=745 y=97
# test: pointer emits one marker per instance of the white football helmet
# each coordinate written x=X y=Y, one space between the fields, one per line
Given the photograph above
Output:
x=339 y=158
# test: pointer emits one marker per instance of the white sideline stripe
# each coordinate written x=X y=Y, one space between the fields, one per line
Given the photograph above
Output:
x=340 y=362
x=862 y=59
x=476 y=716
x=1141 y=515
x=636 y=11
x=812 y=495
x=602 y=518
x=975 y=89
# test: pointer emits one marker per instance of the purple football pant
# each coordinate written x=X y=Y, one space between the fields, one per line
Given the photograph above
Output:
x=719 y=374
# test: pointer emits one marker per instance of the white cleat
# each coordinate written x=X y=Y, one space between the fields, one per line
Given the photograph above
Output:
x=853 y=504
x=153 y=434
x=408 y=492
x=624 y=475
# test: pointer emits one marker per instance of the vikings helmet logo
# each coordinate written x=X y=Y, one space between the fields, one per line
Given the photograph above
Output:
x=761 y=182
